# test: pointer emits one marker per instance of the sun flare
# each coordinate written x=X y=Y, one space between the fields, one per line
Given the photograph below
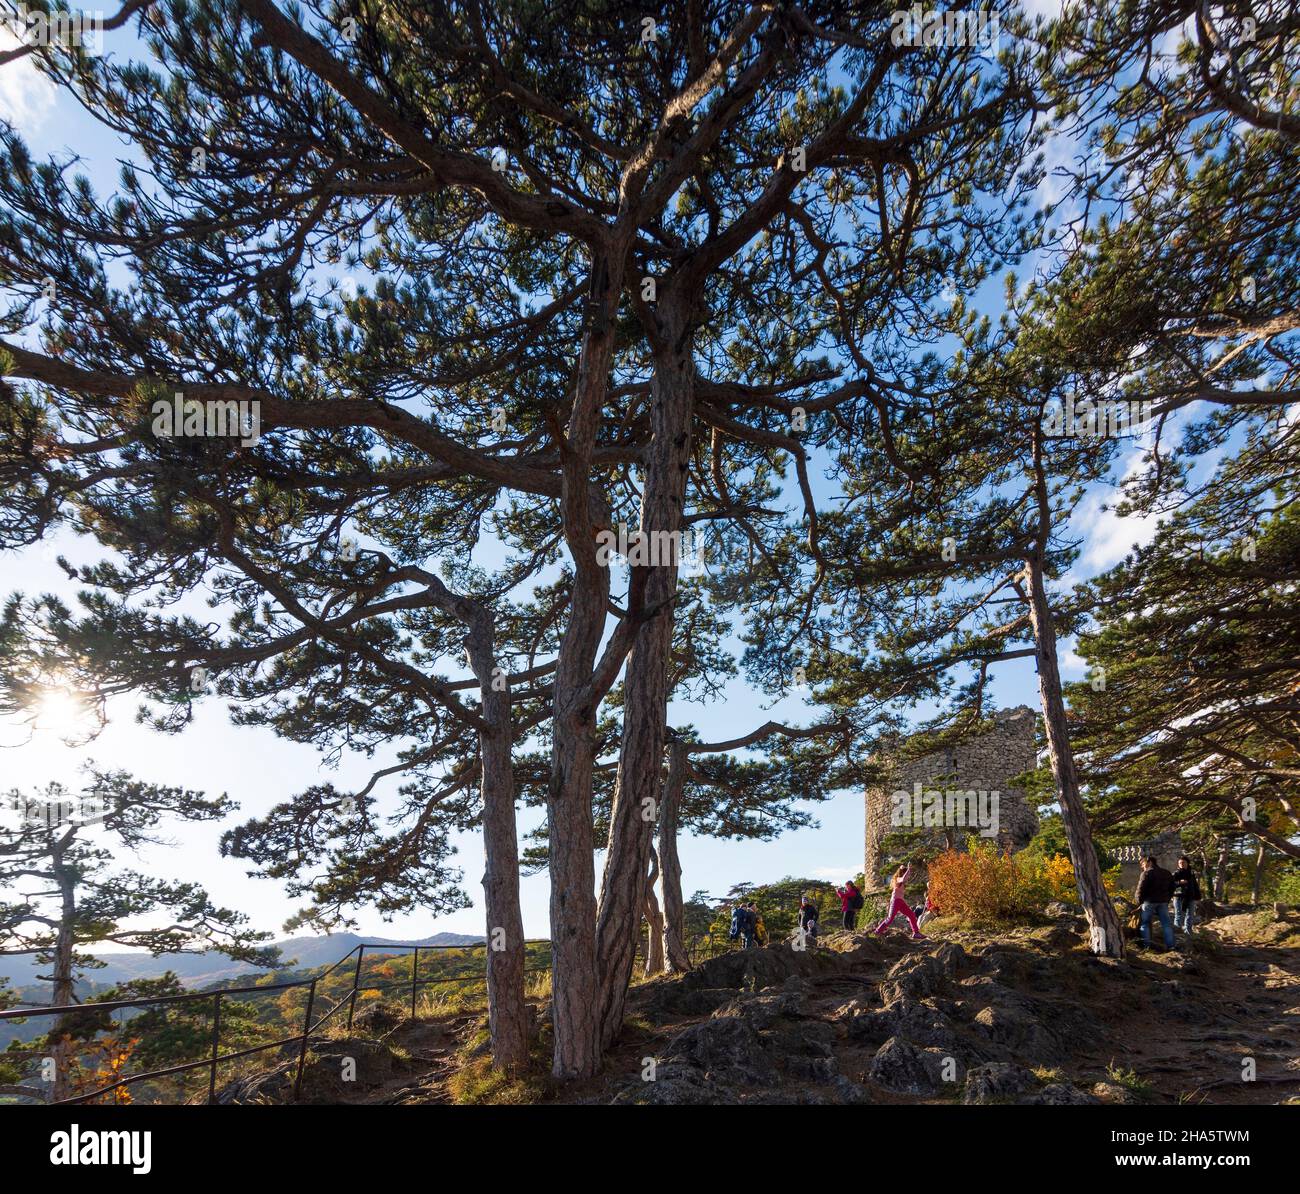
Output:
x=60 y=711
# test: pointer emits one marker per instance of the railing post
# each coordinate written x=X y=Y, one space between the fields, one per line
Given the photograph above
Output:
x=306 y=1031
x=216 y=1048
x=356 y=978
x=415 y=970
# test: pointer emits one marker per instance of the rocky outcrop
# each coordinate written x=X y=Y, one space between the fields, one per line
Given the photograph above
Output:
x=999 y=1082
x=750 y=1042
x=904 y=1069
x=1025 y=1016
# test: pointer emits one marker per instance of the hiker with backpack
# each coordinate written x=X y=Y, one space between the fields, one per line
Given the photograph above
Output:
x=743 y=925
x=760 y=929
x=1187 y=890
x=898 y=905
x=851 y=903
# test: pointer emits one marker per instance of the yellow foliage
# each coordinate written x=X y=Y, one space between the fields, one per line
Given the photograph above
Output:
x=985 y=886
x=1058 y=872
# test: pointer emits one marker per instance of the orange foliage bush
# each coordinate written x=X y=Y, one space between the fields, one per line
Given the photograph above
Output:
x=986 y=886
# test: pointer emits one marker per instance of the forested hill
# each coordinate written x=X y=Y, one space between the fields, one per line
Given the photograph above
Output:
x=198 y=970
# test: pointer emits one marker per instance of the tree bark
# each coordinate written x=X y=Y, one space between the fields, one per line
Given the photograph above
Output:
x=676 y=959
x=645 y=683
x=1259 y=875
x=654 y=949
x=1221 y=869
x=1107 y=937
x=574 y=989
x=62 y=974
x=507 y=1008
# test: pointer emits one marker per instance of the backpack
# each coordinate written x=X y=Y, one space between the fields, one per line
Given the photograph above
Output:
x=856 y=902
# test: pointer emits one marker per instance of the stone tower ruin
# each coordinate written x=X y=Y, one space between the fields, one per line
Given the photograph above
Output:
x=964 y=788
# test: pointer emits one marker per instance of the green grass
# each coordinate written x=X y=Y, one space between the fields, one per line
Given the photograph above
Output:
x=1130 y=1080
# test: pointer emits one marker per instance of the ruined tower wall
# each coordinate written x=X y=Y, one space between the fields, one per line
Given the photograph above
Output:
x=983 y=762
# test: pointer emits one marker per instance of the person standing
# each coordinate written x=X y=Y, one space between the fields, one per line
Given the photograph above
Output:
x=742 y=926
x=760 y=929
x=1154 y=891
x=851 y=902
x=808 y=917
x=898 y=905
x=748 y=927
x=1187 y=890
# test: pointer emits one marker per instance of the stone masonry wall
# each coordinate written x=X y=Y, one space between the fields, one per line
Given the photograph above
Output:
x=1165 y=846
x=982 y=763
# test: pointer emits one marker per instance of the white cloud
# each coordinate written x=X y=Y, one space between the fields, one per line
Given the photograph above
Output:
x=1111 y=538
x=836 y=873
x=26 y=96
x=1073 y=664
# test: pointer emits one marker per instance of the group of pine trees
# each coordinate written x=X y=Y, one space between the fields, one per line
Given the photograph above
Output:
x=477 y=287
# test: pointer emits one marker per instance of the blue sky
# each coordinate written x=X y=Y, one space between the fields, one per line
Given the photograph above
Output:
x=257 y=769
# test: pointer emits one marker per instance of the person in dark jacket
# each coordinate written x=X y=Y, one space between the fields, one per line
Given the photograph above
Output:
x=808 y=917
x=1154 y=891
x=743 y=925
x=1187 y=890
x=739 y=922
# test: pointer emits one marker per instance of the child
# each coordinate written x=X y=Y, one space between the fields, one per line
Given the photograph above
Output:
x=808 y=918
x=928 y=910
x=899 y=905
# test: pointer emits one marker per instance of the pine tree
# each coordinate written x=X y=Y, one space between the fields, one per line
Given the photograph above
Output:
x=67 y=895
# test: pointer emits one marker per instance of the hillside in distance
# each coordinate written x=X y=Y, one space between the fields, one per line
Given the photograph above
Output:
x=198 y=970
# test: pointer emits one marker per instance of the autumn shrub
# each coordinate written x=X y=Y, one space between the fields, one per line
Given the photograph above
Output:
x=982 y=885
x=1058 y=874
x=987 y=886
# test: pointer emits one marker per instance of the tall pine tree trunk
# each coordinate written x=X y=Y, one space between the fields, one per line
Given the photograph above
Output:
x=1221 y=869
x=574 y=989
x=676 y=959
x=573 y=879
x=654 y=919
x=507 y=1008
x=62 y=974
x=645 y=684
x=1259 y=874
x=1103 y=923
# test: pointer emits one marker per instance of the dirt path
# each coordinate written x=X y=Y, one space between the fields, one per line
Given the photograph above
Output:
x=1253 y=993
x=431 y=1046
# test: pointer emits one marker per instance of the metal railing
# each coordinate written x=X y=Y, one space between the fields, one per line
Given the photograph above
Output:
x=309 y=1027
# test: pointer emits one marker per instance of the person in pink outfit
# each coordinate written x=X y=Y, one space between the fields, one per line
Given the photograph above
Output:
x=897 y=904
